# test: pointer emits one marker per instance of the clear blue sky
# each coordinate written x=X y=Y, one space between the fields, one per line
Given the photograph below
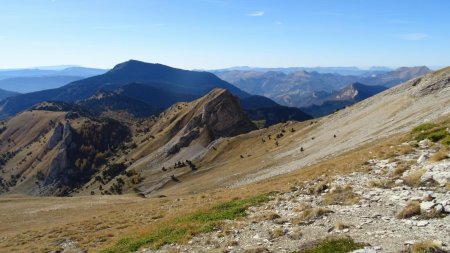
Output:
x=210 y=34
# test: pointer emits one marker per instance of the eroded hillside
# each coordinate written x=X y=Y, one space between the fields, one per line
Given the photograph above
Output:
x=56 y=149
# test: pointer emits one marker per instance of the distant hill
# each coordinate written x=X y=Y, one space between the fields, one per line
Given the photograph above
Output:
x=6 y=94
x=31 y=80
x=39 y=72
x=156 y=85
x=392 y=78
x=347 y=96
x=36 y=83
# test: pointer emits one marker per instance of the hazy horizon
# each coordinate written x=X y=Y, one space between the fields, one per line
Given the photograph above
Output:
x=64 y=66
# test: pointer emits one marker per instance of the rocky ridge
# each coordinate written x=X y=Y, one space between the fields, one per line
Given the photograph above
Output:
x=369 y=205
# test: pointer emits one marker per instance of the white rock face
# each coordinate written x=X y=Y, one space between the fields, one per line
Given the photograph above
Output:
x=422 y=159
x=56 y=137
x=439 y=172
x=424 y=144
x=427 y=205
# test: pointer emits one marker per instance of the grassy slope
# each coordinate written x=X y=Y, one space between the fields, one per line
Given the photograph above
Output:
x=183 y=228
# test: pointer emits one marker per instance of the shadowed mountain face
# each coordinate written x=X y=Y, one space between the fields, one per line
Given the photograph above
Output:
x=108 y=101
x=303 y=89
x=155 y=86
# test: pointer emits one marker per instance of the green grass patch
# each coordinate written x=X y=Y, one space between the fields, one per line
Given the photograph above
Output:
x=336 y=245
x=423 y=127
x=183 y=228
x=438 y=135
x=432 y=132
x=446 y=140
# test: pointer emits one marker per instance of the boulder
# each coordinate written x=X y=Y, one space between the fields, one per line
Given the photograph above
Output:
x=422 y=159
x=427 y=205
x=439 y=172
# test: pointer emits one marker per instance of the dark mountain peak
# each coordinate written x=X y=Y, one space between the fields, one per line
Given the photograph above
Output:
x=144 y=69
x=133 y=64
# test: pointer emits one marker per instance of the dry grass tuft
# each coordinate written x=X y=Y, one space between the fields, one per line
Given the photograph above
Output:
x=405 y=149
x=257 y=250
x=374 y=183
x=411 y=209
x=318 y=188
x=311 y=214
x=402 y=167
x=428 y=246
x=173 y=251
x=413 y=179
x=302 y=206
x=340 y=226
x=277 y=232
x=377 y=183
x=231 y=243
x=432 y=214
x=341 y=196
x=268 y=216
x=439 y=156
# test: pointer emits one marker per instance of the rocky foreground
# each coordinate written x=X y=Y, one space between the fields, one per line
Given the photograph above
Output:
x=391 y=205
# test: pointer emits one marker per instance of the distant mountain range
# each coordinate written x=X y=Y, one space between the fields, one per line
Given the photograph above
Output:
x=323 y=70
x=142 y=89
x=348 y=95
x=36 y=83
x=156 y=85
x=305 y=89
x=29 y=80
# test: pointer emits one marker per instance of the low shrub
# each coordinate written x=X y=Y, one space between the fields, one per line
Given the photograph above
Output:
x=341 y=196
x=410 y=210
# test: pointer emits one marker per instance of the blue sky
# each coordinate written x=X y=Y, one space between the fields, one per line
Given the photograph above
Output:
x=210 y=34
